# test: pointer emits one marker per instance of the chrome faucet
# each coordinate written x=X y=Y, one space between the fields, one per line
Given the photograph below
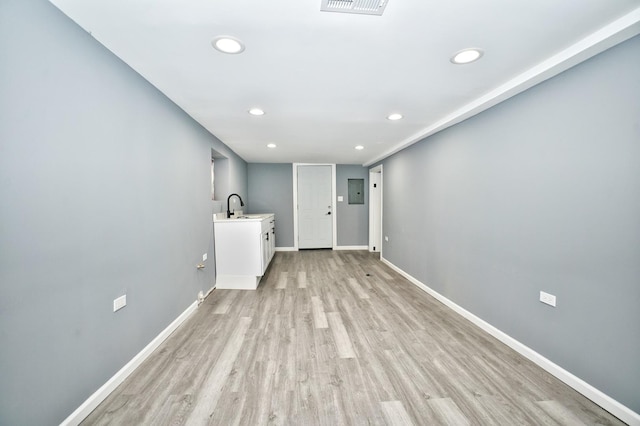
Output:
x=229 y=213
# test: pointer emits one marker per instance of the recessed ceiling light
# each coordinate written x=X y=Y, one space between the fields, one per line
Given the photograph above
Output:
x=256 y=111
x=271 y=145
x=394 y=117
x=359 y=147
x=227 y=44
x=466 y=56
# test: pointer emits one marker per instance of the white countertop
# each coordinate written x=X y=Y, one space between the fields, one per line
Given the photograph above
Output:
x=240 y=217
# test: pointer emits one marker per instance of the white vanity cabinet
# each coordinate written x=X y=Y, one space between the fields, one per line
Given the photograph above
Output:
x=244 y=246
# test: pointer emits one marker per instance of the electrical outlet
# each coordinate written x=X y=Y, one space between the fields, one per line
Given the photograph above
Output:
x=386 y=238
x=340 y=198
x=547 y=298
x=204 y=257
x=119 y=303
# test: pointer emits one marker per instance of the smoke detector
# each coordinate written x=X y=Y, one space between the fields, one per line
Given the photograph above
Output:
x=364 y=7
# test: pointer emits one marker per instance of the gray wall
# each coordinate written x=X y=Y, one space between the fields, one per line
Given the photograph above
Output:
x=105 y=190
x=541 y=192
x=271 y=191
x=353 y=219
x=230 y=178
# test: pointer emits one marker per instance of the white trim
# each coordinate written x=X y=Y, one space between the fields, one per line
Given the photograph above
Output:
x=294 y=168
x=334 y=210
x=101 y=394
x=373 y=171
x=286 y=249
x=382 y=239
x=351 y=248
x=608 y=36
x=237 y=282
x=611 y=405
x=333 y=201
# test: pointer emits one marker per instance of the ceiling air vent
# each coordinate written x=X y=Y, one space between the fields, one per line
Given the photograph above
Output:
x=365 y=7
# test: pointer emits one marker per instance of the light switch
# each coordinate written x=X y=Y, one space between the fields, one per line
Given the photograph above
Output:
x=340 y=198
x=204 y=257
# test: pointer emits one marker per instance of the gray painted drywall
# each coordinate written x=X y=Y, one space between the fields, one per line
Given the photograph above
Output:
x=104 y=189
x=541 y=192
x=352 y=219
x=271 y=191
x=230 y=178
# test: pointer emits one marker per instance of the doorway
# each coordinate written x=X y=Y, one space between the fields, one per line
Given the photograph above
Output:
x=375 y=209
x=314 y=212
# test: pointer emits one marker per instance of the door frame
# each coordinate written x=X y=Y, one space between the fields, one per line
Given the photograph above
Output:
x=375 y=209
x=334 y=236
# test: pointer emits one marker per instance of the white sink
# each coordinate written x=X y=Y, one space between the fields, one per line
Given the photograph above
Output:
x=221 y=217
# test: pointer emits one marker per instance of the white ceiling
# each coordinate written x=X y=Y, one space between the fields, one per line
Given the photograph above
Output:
x=328 y=80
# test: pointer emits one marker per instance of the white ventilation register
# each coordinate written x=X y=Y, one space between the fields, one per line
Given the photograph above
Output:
x=365 y=7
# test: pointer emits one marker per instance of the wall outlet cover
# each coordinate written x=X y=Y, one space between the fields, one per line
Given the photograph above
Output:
x=119 y=303
x=547 y=298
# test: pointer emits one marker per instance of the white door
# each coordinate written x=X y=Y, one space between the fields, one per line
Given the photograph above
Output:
x=315 y=216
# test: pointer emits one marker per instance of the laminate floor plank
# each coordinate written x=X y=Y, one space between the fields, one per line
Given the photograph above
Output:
x=340 y=335
x=448 y=412
x=357 y=288
x=232 y=406
x=319 y=316
x=307 y=392
x=337 y=338
x=282 y=281
x=302 y=279
x=395 y=413
x=237 y=380
x=413 y=398
x=348 y=383
x=560 y=413
x=207 y=400
x=324 y=344
x=225 y=301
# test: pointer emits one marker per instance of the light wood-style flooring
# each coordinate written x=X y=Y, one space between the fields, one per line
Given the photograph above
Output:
x=338 y=338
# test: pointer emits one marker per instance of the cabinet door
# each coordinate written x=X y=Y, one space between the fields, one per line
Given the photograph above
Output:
x=265 y=245
x=273 y=243
x=272 y=226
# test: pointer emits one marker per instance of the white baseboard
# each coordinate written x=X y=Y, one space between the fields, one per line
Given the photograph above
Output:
x=611 y=405
x=237 y=282
x=351 y=248
x=101 y=394
x=334 y=248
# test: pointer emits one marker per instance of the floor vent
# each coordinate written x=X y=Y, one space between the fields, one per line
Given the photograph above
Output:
x=364 y=7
